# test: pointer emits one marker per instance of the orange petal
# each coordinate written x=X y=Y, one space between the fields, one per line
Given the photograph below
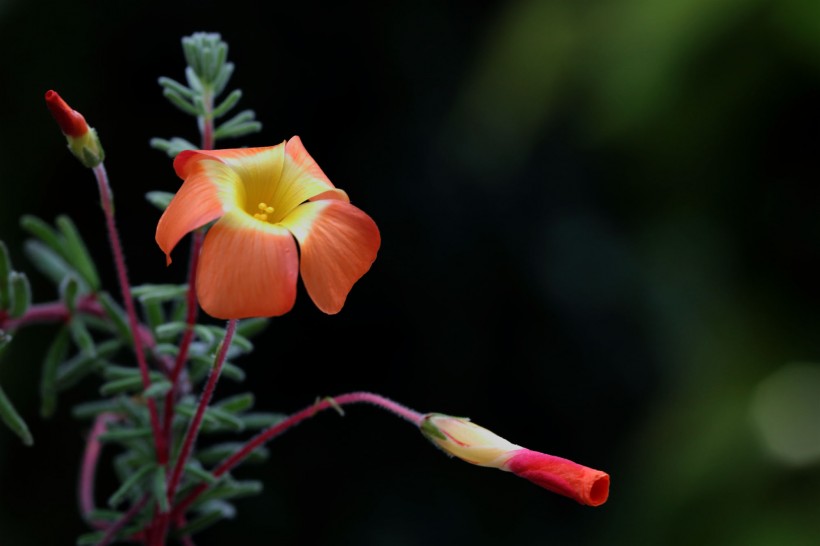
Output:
x=301 y=180
x=247 y=269
x=209 y=191
x=338 y=244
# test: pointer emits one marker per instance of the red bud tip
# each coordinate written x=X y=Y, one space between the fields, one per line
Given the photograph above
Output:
x=71 y=122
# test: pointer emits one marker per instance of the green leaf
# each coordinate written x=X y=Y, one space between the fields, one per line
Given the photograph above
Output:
x=217 y=453
x=13 y=419
x=118 y=317
x=90 y=539
x=229 y=102
x=221 y=80
x=200 y=474
x=229 y=489
x=44 y=233
x=104 y=515
x=122 y=434
x=210 y=513
x=237 y=130
x=158 y=388
x=180 y=102
x=128 y=384
x=237 y=403
x=193 y=80
x=159 y=489
x=48 y=380
x=20 y=294
x=154 y=314
x=159 y=292
x=258 y=421
x=160 y=199
x=49 y=262
x=81 y=365
x=218 y=420
x=250 y=327
x=82 y=337
x=176 y=86
x=169 y=330
x=5 y=271
x=171 y=147
x=242 y=117
x=129 y=485
x=69 y=289
x=77 y=252
x=88 y=410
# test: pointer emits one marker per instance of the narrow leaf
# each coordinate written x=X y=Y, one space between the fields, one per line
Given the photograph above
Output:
x=158 y=388
x=126 y=434
x=117 y=315
x=179 y=101
x=176 y=86
x=77 y=252
x=20 y=294
x=13 y=419
x=44 y=233
x=129 y=485
x=48 y=380
x=258 y=421
x=160 y=199
x=217 y=453
x=237 y=403
x=88 y=410
x=210 y=514
x=49 y=262
x=250 y=327
x=159 y=488
x=5 y=271
x=82 y=337
x=229 y=102
x=238 y=130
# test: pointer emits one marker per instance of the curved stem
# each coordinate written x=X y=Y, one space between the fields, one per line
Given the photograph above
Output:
x=89 y=467
x=272 y=432
x=107 y=200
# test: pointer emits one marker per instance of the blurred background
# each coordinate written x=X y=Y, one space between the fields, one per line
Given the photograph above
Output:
x=600 y=240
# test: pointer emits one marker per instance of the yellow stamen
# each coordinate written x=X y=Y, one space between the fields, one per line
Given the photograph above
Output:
x=265 y=209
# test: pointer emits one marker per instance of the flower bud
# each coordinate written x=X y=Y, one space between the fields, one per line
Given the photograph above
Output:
x=458 y=437
x=82 y=139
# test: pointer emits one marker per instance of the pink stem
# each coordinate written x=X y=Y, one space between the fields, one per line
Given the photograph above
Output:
x=188 y=336
x=283 y=426
x=125 y=288
x=89 y=468
x=112 y=531
x=193 y=428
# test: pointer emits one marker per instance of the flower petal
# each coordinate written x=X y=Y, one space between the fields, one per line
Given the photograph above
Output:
x=585 y=485
x=210 y=189
x=247 y=269
x=338 y=244
x=301 y=180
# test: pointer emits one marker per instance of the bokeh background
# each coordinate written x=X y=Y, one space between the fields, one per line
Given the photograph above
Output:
x=600 y=240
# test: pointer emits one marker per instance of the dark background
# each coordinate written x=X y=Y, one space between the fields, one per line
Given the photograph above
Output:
x=599 y=239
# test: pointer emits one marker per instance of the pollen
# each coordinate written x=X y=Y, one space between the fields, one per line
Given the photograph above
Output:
x=264 y=210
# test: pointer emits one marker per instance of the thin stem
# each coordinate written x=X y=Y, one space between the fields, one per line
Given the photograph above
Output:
x=112 y=531
x=283 y=426
x=188 y=336
x=207 y=393
x=85 y=488
x=107 y=200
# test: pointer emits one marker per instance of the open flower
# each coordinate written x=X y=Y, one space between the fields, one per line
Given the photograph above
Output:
x=263 y=198
x=459 y=437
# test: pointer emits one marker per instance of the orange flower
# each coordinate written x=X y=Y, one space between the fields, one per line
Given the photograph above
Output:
x=263 y=198
x=82 y=139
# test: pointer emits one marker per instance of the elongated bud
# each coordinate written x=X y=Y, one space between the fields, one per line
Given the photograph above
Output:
x=459 y=437
x=82 y=139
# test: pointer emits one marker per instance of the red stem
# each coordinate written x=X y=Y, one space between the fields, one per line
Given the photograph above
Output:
x=188 y=336
x=89 y=468
x=125 y=288
x=112 y=531
x=283 y=426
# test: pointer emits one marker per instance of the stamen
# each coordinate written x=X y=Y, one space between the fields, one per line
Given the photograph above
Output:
x=265 y=209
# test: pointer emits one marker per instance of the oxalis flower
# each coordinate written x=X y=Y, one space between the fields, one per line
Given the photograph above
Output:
x=459 y=437
x=264 y=200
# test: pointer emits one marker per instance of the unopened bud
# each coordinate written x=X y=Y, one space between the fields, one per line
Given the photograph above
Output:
x=469 y=442
x=82 y=139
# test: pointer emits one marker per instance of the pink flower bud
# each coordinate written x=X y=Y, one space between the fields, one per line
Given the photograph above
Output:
x=458 y=437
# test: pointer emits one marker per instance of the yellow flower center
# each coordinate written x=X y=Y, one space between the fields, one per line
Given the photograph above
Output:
x=264 y=210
